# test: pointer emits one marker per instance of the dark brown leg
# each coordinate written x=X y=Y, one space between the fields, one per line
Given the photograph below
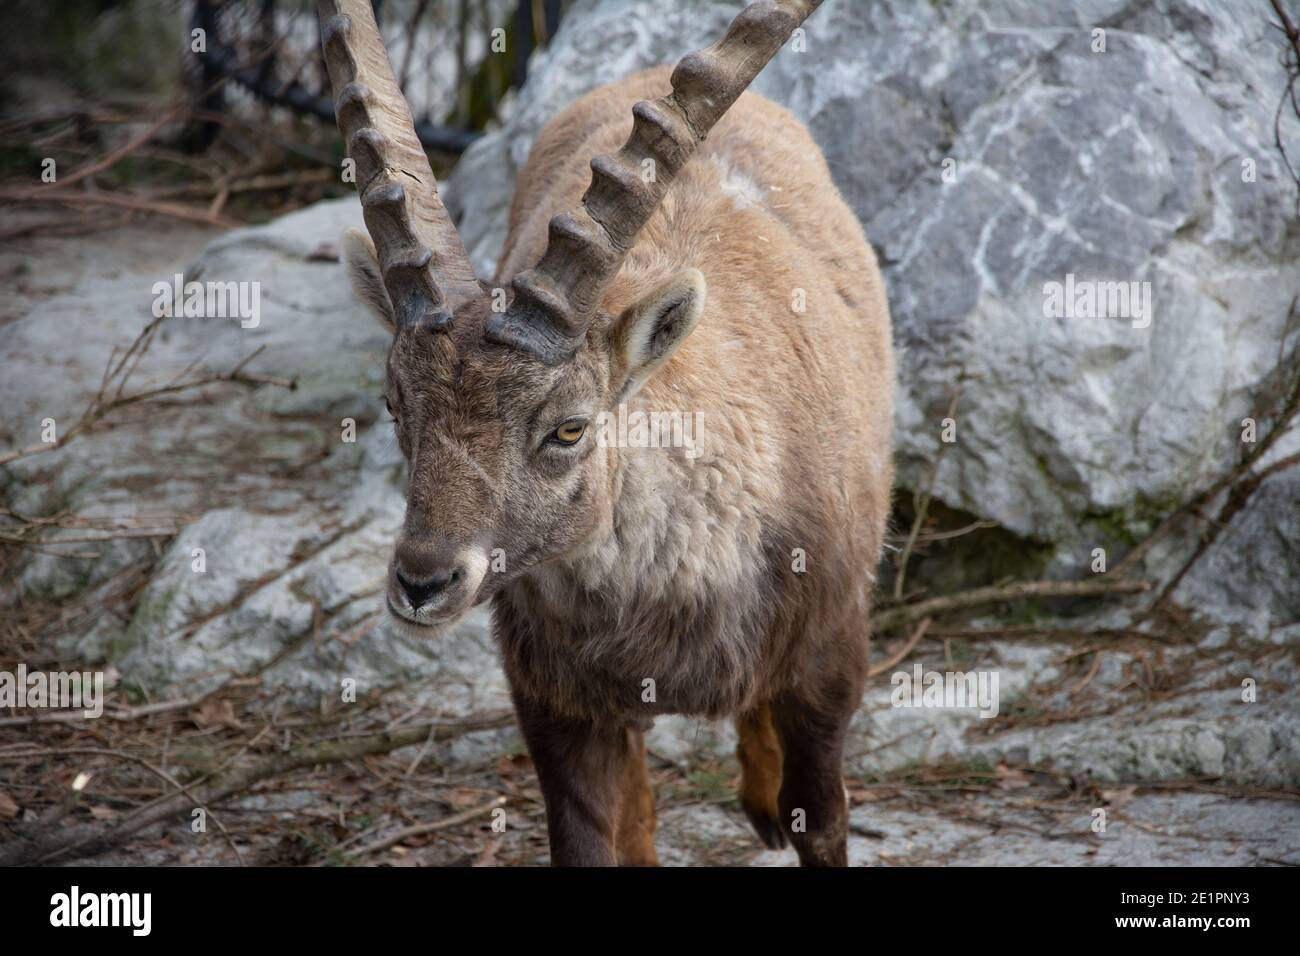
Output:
x=759 y=753
x=812 y=804
x=635 y=833
x=581 y=766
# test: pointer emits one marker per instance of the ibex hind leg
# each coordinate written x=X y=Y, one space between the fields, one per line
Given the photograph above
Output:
x=634 y=836
x=812 y=804
x=759 y=753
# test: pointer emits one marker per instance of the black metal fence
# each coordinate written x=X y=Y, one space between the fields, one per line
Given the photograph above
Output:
x=271 y=48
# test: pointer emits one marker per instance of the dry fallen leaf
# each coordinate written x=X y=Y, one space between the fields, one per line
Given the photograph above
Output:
x=857 y=796
x=1119 y=796
x=103 y=813
x=464 y=797
x=488 y=855
x=510 y=765
x=1010 y=778
x=8 y=808
x=215 y=713
x=404 y=856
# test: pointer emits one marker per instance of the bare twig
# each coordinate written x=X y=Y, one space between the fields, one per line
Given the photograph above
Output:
x=42 y=845
x=100 y=407
x=1238 y=496
x=921 y=501
x=112 y=159
x=1238 y=475
x=420 y=828
x=1291 y=63
x=897 y=657
x=1019 y=591
x=121 y=715
x=119 y=201
x=154 y=769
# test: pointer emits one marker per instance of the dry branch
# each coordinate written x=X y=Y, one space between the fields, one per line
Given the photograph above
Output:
x=421 y=828
x=112 y=159
x=120 y=201
x=897 y=657
x=1291 y=63
x=117 y=375
x=921 y=501
x=42 y=845
x=1020 y=591
x=1236 y=482
x=1238 y=496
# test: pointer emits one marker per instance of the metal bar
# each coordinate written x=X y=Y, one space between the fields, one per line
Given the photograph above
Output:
x=220 y=60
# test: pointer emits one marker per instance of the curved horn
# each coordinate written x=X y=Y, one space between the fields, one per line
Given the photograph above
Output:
x=556 y=301
x=424 y=265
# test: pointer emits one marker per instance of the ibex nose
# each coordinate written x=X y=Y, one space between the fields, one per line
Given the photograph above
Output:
x=420 y=592
x=433 y=580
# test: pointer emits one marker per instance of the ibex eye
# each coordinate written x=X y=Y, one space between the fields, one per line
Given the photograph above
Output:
x=568 y=433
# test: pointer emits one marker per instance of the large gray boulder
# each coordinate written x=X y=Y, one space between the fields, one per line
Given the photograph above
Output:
x=990 y=149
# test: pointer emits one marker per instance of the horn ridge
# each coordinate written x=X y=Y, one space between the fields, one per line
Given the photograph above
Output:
x=564 y=288
x=422 y=260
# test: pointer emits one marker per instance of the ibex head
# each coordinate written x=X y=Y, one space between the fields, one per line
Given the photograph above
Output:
x=492 y=406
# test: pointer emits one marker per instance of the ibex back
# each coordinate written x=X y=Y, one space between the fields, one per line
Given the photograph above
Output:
x=725 y=569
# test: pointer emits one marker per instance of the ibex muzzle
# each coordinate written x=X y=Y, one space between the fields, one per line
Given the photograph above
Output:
x=434 y=579
x=719 y=280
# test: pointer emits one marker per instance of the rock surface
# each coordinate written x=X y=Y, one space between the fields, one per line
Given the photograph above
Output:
x=290 y=523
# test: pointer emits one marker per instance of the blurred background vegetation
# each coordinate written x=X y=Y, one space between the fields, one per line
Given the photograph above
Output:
x=219 y=110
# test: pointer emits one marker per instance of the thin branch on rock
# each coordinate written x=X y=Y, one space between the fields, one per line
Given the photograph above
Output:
x=1234 y=482
x=159 y=772
x=120 y=201
x=421 y=828
x=1238 y=496
x=897 y=657
x=921 y=501
x=119 y=374
x=1291 y=63
x=1020 y=591
x=42 y=845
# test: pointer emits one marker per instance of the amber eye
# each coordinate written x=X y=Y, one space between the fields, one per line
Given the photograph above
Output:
x=569 y=433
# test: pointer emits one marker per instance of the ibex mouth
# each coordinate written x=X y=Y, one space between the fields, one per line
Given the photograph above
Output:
x=420 y=622
x=430 y=591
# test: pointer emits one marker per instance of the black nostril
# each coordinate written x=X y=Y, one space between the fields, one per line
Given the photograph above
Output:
x=419 y=592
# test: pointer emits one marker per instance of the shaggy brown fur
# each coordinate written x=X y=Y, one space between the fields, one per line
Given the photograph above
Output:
x=734 y=580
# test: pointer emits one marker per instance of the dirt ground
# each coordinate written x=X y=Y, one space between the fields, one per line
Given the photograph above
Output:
x=473 y=800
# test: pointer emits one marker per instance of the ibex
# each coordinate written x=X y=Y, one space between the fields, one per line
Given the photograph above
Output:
x=705 y=266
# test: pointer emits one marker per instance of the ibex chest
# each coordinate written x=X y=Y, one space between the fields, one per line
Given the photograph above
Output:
x=669 y=615
x=632 y=662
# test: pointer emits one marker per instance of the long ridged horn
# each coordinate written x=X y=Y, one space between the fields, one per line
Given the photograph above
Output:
x=424 y=265
x=556 y=301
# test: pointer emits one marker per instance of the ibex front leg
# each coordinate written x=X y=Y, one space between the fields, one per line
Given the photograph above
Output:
x=581 y=766
x=812 y=802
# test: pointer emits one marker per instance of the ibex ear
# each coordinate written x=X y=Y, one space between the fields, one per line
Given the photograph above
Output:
x=646 y=334
x=367 y=283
